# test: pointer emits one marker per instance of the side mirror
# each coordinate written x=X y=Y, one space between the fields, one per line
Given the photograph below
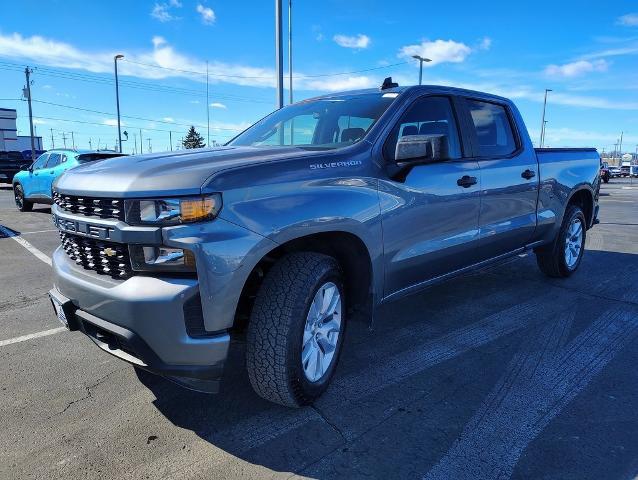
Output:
x=413 y=149
x=25 y=168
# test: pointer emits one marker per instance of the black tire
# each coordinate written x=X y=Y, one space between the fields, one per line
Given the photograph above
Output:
x=551 y=258
x=276 y=328
x=22 y=203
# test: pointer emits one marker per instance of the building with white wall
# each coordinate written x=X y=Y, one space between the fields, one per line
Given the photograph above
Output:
x=9 y=138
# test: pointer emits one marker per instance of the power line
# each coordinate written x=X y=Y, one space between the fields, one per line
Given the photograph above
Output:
x=84 y=122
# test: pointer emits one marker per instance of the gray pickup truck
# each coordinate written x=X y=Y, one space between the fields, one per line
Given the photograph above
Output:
x=326 y=208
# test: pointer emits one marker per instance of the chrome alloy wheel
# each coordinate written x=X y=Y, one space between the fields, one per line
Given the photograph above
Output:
x=573 y=242
x=321 y=332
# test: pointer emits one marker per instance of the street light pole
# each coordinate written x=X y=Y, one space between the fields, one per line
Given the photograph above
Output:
x=279 y=55
x=421 y=60
x=117 y=101
x=290 y=50
x=543 y=122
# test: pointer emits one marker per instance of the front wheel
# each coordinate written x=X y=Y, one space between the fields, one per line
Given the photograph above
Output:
x=22 y=203
x=563 y=256
x=296 y=329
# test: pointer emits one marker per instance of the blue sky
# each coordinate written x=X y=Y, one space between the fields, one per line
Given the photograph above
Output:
x=586 y=51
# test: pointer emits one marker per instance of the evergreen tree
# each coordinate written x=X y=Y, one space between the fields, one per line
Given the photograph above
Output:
x=193 y=139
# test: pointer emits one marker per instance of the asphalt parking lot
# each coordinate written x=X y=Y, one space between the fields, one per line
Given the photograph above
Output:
x=503 y=373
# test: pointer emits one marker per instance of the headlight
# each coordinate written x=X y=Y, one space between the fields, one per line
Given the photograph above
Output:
x=160 y=258
x=173 y=211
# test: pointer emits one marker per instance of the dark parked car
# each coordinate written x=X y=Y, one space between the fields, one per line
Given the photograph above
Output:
x=10 y=163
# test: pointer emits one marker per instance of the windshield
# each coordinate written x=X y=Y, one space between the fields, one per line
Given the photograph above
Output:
x=325 y=123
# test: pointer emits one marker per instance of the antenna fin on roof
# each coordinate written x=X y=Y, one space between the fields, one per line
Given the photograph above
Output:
x=388 y=83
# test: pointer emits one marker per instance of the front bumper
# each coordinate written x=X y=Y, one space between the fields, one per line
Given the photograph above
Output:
x=142 y=320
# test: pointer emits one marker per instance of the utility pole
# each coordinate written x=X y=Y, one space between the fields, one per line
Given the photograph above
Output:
x=141 y=144
x=117 y=101
x=73 y=140
x=279 y=56
x=135 y=144
x=150 y=149
x=207 y=109
x=170 y=139
x=27 y=92
x=90 y=144
x=620 y=148
x=52 y=140
x=64 y=138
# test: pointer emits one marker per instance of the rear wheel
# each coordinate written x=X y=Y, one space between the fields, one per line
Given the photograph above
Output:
x=296 y=329
x=22 y=203
x=563 y=256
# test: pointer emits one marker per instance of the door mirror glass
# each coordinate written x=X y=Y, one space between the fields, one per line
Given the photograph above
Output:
x=413 y=148
x=421 y=149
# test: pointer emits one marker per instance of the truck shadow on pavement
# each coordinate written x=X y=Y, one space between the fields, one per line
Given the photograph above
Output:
x=502 y=370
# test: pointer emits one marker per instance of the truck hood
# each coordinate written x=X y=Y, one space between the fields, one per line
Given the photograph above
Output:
x=167 y=173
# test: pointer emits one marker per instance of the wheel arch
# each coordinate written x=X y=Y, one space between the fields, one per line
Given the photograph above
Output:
x=348 y=249
x=583 y=198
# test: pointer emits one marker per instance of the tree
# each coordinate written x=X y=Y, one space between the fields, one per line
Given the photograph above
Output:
x=193 y=139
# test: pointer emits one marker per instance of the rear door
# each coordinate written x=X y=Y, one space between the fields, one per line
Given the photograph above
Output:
x=509 y=178
x=51 y=171
x=430 y=215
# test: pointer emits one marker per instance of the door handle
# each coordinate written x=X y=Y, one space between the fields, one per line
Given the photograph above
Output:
x=466 y=181
x=528 y=174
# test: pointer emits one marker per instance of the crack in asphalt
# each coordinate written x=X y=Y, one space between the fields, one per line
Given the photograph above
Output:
x=88 y=394
x=328 y=422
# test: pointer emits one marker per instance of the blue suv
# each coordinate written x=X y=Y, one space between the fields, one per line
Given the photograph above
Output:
x=34 y=184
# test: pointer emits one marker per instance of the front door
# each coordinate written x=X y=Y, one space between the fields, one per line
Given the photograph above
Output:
x=509 y=176
x=32 y=186
x=430 y=217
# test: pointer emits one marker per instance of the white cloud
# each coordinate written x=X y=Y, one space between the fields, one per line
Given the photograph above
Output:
x=162 y=11
x=111 y=122
x=168 y=119
x=356 y=41
x=218 y=105
x=576 y=69
x=485 y=43
x=439 y=51
x=629 y=20
x=37 y=121
x=207 y=14
x=340 y=83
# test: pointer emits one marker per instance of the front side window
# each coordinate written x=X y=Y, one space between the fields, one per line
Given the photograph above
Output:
x=41 y=161
x=321 y=124
x=427 y=116
x=493 y=129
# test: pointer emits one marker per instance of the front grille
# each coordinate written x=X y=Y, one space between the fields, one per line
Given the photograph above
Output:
x=108 y=258
x=90 y=206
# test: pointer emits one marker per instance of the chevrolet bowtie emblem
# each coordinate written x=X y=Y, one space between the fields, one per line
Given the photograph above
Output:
x=109 y=252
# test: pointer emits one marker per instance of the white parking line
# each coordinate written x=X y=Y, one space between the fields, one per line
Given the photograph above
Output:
x=38 y=231
x=37 y=253
x=24 y=338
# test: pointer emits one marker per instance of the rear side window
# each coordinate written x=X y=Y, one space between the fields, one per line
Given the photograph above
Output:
x=493 y=129
x=54 y=160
